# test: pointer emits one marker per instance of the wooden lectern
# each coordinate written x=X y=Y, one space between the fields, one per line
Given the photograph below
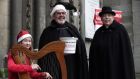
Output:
x=56 y=46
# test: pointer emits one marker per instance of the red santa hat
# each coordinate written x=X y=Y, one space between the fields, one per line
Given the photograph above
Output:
x=22 y=35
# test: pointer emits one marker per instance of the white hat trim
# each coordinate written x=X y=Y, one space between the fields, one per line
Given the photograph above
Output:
x=58 y=7
x=24 y=36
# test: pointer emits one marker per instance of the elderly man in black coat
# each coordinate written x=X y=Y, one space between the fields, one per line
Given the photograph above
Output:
x=110 y=54
x=76 y=63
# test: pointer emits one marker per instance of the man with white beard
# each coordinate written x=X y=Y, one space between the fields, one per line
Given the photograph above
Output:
x=77 y=67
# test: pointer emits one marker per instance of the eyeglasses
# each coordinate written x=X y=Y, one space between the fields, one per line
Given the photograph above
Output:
x=59 y=13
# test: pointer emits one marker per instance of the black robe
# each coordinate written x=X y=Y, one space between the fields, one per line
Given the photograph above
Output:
x=110 y=54
x=77 y=65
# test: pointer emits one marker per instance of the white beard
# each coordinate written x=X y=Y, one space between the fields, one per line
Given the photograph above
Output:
x=61 y=22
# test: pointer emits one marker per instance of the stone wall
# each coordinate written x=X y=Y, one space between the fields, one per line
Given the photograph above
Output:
x=4 y=31
x=136 y=30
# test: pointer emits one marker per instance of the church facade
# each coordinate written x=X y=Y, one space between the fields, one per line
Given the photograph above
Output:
x=35 y=16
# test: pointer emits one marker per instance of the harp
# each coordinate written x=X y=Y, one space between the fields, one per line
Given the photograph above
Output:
x=55 y=46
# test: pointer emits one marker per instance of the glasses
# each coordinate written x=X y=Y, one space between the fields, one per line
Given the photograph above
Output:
x=59 y=13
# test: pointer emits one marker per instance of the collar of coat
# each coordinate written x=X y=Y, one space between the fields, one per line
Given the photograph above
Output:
x=112 y=26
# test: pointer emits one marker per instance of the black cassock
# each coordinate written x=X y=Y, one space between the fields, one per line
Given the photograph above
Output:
x=77 y=66
x=111 y=54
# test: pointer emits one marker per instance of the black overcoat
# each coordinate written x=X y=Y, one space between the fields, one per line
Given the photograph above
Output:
x=111 y=54
x=77 y=65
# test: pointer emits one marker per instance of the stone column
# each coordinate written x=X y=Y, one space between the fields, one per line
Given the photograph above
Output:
x=49 y=6
x=39 y=20
x=15 y=20
x=76 y=19
x=136 y=30
x=82 y=18
x=4 y=31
